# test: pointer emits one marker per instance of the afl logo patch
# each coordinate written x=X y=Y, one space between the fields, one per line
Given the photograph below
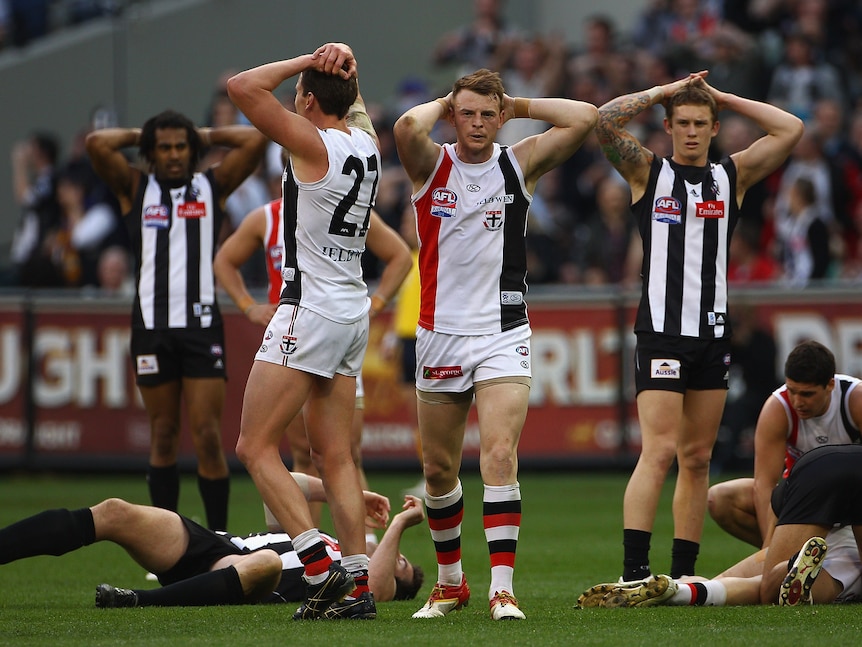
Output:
x=667 y=209
x=443 y=203
x=157 y=216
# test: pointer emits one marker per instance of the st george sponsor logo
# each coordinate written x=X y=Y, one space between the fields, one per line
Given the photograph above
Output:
x=441 y=372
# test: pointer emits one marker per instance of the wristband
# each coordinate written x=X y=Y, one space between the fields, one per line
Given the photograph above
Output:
x=246 y=304
x=445 y=105
x=377 y=304
x=654 y=92
x=522 y=108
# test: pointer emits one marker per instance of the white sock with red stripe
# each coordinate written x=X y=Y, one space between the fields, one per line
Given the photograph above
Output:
x=501 y=516
x=711 y=593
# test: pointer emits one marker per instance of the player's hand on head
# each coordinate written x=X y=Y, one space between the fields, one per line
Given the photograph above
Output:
x=335 y=58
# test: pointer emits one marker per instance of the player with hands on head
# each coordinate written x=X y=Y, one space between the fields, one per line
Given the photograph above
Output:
x=263 y=227
x=313 y=347
x=471 y=200
x=175 y=215
x=686 y=208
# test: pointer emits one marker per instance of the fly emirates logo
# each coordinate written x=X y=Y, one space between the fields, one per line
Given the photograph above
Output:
x=710 y=209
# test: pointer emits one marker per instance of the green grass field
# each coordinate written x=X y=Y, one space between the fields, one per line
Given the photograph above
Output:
x=571 y=538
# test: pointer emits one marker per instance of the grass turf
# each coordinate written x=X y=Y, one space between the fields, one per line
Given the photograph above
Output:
x=570 y=539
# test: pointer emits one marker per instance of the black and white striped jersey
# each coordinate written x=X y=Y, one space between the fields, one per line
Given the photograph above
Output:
x=174 y=233
x=686 y=218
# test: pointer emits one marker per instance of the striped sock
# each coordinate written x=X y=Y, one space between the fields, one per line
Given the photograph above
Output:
x=312 y=553
x=445 y=514
x=501 y=516
x=357 y=566
x=711 y=593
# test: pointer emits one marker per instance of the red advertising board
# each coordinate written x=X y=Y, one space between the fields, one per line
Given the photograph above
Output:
x=86 y=405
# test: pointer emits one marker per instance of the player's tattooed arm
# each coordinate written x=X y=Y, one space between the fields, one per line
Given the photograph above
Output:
x=618 y=145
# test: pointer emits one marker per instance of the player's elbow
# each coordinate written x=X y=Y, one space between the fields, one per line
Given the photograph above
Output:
x=239 y=89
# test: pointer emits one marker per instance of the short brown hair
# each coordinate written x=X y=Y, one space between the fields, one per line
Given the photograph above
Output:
x=483 y=82
x=691 y=95
x=334 y=94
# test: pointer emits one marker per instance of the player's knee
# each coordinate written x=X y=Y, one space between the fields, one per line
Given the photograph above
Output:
x=695 y=459
x=112 y=513
x=716 y=502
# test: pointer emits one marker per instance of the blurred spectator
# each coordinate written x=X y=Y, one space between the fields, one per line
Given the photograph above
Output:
x=34 y=163
x=599 y=47
x=735 y=134
x=85 y=228
x=679 y=31
x=747 y=261
x=529 y=67
x=550 y=228
x=735 y=63
x=473 y=46
x=751 y=379
x=608 y=236
x=807 y=161
x=800 y=79
x=115 y=272
x=803 y=236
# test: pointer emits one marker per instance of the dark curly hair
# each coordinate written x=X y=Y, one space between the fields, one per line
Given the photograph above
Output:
x=169 y=119
x=407 y=589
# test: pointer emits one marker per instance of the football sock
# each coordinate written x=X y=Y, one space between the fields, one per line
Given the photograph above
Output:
x=636 y=545
x=711 y=593
x=312 y=553
x=214 y=494
x=164 y=484
x=501 y=517
x=445 y=514
x=53 y=532
x=222 y=586
x=357 y=566
x=683 y=556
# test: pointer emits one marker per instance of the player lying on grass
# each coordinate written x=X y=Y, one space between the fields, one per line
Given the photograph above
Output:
x=823 y=490
x=199 y=567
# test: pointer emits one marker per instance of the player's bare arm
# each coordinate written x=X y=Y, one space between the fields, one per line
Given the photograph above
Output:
x=105 y=150
x=385 y=243
x=770 y=445
x=783 y=131
x=417 y=151
x=252 y=91
x=571 y=122
x=247 y=147
x=233 y=253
